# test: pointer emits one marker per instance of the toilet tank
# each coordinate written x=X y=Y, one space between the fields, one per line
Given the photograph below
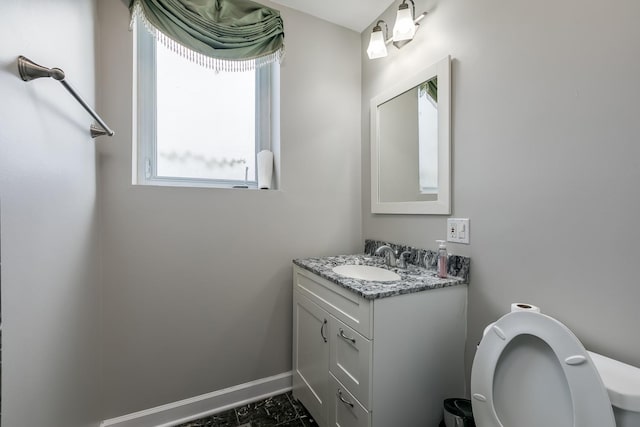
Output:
x=622 y=381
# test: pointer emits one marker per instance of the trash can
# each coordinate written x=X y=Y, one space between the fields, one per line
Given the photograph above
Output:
x=457 y=413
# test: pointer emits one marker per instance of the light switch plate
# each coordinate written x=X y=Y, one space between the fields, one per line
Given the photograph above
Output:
x=458 y=230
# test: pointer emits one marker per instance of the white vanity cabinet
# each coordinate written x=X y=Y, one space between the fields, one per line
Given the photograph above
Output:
x=383 y=362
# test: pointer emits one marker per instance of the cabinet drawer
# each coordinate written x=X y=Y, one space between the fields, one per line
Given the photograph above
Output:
x=344 y=408
x=350 y=308
x=350 y=360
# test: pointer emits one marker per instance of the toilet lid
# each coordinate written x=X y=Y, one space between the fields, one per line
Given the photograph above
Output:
x=531 y=370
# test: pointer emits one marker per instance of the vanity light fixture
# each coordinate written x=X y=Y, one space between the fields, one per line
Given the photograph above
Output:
x=377 y=43
x=404 y=29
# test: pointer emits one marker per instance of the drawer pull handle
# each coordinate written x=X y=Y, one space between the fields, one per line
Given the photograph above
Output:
x=322 y=330
x=346 y=338
x=343 y=400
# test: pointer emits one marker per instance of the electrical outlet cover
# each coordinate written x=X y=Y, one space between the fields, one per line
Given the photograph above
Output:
x=458 y=230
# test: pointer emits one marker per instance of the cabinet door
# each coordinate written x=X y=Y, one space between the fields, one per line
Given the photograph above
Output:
x=344 y=409
x=310 y=356
x=350 y=360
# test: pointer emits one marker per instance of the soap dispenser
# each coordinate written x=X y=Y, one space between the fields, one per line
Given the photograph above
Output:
x=442 y=259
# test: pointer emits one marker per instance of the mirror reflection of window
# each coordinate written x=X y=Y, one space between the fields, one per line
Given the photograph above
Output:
x=428 y=136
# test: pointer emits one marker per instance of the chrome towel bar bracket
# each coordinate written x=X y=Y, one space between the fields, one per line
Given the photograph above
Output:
x=29 y=70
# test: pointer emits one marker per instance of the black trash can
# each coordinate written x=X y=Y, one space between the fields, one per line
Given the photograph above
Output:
x=457 y=413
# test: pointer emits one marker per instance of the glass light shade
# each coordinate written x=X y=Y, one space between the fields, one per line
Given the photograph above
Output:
x=377 y=46
x=404 y=28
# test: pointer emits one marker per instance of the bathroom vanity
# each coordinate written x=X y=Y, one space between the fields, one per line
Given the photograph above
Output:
x=371 y=353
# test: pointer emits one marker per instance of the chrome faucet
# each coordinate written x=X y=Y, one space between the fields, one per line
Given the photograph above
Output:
x=389 y=255
x=402 y=259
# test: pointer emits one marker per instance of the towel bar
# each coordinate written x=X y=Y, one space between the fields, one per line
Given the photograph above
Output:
x=29 y=70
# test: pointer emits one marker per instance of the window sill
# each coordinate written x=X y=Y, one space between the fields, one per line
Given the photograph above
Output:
x=199 y=187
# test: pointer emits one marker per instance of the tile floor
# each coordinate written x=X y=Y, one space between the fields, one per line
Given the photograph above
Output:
x=281 y=410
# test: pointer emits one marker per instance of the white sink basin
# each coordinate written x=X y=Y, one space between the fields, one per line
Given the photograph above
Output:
x=366 y=272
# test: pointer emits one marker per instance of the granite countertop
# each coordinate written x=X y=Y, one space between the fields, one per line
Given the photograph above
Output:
x=412 y=279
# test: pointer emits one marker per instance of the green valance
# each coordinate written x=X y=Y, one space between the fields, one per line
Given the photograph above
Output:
x=227 y=35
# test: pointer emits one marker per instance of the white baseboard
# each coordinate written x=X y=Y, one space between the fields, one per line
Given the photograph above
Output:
x=207 y=404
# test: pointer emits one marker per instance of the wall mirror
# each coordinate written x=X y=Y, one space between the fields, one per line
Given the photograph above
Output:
x=410 y=144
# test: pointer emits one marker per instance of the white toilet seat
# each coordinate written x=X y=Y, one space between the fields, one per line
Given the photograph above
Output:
x=591 y=405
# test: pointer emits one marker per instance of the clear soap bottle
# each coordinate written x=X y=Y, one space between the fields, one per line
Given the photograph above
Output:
x=442 y=259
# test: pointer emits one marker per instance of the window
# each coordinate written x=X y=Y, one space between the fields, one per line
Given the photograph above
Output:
x=196 y=126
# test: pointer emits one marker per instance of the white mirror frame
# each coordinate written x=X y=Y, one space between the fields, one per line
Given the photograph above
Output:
x=441 y=206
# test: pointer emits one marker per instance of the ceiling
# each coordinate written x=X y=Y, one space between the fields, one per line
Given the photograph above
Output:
x=353 y=14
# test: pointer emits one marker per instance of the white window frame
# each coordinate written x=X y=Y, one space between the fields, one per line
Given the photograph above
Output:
x=144 y=155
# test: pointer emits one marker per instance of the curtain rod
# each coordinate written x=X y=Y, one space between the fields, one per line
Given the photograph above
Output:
x=29 y=70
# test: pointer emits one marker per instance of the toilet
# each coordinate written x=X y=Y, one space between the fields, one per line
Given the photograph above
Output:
x=530 y=370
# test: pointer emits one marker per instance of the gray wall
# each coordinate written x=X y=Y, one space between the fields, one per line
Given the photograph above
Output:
x=546 y=160
x=399 y=175
x=197 y=282
x=50 y=289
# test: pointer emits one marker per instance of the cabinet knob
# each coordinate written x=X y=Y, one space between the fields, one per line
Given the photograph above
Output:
x=343 y=400
x=346 y=338
x=322 y=330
